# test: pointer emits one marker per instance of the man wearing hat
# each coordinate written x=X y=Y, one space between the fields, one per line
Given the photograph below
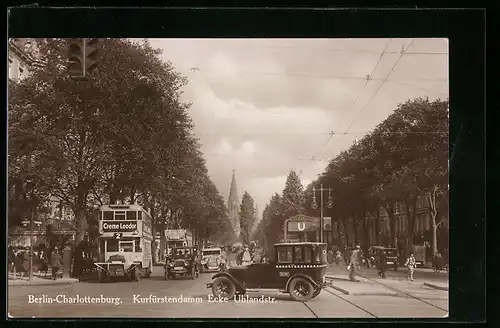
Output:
x=354 y=263
x=56 y=261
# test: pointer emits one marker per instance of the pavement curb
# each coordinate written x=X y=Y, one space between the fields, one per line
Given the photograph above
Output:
x=336 y=278
x=343 y=291
x=436 y=286
x=48 y=283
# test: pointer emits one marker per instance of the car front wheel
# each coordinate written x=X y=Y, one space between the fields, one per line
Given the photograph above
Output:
x=301 y=289
x=223 y=287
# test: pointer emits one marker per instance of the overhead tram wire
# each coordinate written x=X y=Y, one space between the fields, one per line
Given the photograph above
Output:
x=376 y=91
x=368 y=78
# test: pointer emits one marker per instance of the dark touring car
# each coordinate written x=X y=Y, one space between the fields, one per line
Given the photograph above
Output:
x=183 y=262
x=298 y=269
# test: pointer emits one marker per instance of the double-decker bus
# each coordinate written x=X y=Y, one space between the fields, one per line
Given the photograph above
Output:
x=125 y=237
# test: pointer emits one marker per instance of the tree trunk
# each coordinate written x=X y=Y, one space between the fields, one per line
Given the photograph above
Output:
x=389 y=206
x=344 y=228
x=366 y=229
x=410 y=219
x=355 y=228
x=377 y=226
x=432 y=197
x=339 y=233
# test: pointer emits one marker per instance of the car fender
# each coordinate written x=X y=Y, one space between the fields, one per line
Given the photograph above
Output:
x=304 y=276
x=238 y=285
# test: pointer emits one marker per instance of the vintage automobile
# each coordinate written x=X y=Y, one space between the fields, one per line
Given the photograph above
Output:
x=183 y=261
x=391 y=255
x=297 y=269
x=211 y=260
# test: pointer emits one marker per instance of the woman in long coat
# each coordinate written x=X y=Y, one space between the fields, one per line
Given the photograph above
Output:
x=247 y=259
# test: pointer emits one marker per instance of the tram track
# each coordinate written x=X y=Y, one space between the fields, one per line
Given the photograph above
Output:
x=353 y=304
x=405 y=293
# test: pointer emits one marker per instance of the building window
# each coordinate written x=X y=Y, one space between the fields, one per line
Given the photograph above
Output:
x=420 y=202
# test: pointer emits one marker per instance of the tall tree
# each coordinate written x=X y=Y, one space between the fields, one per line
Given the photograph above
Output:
x=247 y=217
x=293 y=195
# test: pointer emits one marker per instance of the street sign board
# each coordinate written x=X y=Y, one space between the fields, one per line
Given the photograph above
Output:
x=302 y=226
x=119 y=226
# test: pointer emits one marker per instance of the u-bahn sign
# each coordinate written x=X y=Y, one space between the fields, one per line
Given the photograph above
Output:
x=302 y=223
x=302 y=226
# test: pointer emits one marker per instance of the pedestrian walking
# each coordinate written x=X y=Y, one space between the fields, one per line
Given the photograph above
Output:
x=382 y=263
x=19 y=263
x=354 y=263
x=12 y=260
x=338 y=257
x=26 y=262
x=411 y=264
x=247 y=259
x=56 y=260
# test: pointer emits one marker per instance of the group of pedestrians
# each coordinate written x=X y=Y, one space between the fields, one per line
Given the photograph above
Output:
x=19 y=262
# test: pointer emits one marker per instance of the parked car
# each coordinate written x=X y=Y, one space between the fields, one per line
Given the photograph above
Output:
x=391 y=254
x=211 y=260
x=183 y=262
x=298 y=269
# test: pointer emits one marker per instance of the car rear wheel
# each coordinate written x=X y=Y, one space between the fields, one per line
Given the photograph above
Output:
x=223 y=287
x=301 y=289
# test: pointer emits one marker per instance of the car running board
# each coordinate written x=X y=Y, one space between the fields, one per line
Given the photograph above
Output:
x=264 y=290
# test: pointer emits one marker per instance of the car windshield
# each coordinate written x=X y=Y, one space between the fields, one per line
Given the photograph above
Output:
x=209 y=253
x=391 y=252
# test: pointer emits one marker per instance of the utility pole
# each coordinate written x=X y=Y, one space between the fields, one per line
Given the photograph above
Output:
x=315 y=206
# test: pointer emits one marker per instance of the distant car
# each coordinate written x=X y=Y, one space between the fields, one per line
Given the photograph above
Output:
x=298 y=270
x=211 y=260
x=391 y=255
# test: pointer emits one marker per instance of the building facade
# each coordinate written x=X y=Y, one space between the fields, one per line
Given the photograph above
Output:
x=23 y=56
x=422 y=229
x=233 y=206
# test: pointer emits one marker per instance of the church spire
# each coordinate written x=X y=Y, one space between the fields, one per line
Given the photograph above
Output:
x=233 y=205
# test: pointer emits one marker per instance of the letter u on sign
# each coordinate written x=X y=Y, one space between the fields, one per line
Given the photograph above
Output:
x=301 y=226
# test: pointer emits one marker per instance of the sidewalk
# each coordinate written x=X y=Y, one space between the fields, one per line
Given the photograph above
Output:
x=368 y=285
x=39 y=281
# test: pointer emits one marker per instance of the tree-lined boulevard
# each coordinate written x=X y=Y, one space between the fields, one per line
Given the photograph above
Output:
x=121 y=134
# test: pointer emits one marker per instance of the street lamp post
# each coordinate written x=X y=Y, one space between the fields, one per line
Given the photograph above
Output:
x=315 y=205
x=31 y=223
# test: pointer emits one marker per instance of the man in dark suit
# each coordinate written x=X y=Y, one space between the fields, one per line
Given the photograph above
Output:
x=382 y=263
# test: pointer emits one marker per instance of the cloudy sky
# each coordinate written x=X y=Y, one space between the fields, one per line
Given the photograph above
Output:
x=266 y=106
